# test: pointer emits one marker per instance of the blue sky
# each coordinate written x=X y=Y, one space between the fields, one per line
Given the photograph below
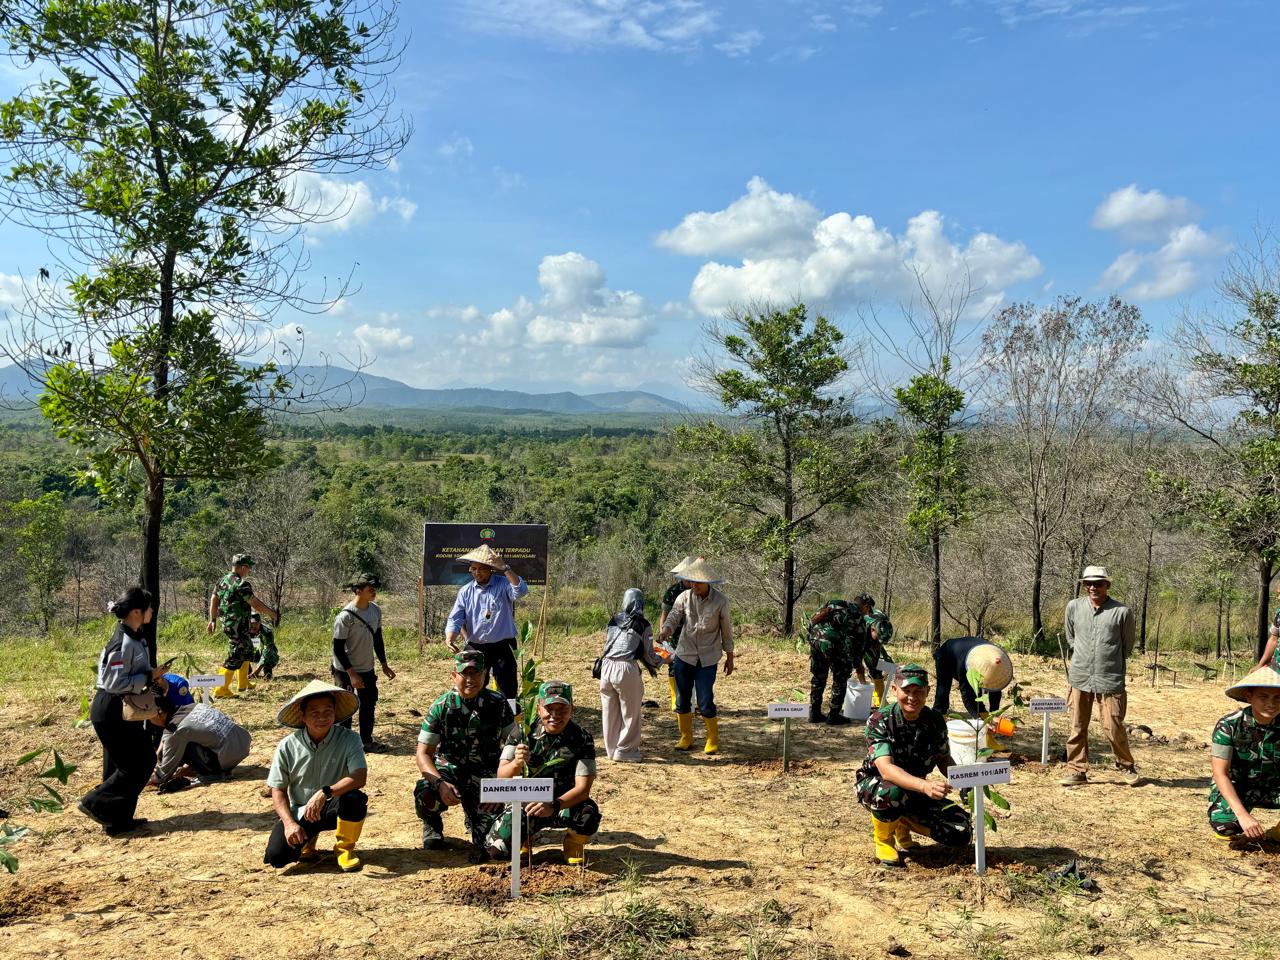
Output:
x=590 y=180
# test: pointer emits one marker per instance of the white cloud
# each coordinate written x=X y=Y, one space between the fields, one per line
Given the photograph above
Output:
x=458 y=146
x=740 y=44
x=12 y=293
x=823 y=23
x=788 y=251
x=402 y=206
x=648 y=25
x=334 y=205
x=1139 y=213
x=383 y=337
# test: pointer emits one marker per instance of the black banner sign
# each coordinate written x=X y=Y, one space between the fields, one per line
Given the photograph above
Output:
x=523 y=545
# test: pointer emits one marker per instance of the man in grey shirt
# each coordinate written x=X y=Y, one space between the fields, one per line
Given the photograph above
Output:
x=198 y=739
x=1100 y=633
x=357 y=640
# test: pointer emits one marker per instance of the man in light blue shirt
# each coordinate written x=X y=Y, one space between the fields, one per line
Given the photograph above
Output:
x=485 y=613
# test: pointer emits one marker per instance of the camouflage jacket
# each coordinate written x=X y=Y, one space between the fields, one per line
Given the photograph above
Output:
x=837 y=629
x=918 y=746
x=266 y=634
x=468 y=734
x=669 y=601
x=1252 y=749
x=233 y=603
x=563 y=756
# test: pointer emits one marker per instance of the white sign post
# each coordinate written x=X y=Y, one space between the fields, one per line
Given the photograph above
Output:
x=517 y=791
x=1046 y=706
x=976 y=776
x=888 y=668
x=786 y=711
x=205 y=682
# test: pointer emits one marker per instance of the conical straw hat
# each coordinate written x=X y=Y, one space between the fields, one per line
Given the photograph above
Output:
x=699 y=571
x=1262 y=677
x=345 y=702
x=675 y=571
x=486 y=555
x=993 y=663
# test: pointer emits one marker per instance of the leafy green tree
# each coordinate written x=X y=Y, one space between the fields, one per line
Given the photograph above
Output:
x=165 y=146
x=41 y=549
x=793 y=453
x=936 y=467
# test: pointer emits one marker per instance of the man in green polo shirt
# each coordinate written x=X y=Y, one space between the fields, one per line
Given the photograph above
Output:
x=316 y=778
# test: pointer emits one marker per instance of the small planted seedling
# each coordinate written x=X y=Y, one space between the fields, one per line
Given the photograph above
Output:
x=50 y=801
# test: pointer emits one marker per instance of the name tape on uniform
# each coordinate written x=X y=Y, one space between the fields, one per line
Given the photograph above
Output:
x=1048 y=705
x=518 y=790
x=778 y=711
x=976 y=774
x=205 y=681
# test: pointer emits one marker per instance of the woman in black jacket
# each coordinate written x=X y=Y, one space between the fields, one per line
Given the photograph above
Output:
x=128 y=754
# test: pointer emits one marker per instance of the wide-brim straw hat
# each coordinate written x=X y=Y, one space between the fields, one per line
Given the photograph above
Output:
x=679 y=567
x=1095 y=573
x=345 y=702
x=486 y=555
x=993 y=663
x=699 y=571
x=1262 y=677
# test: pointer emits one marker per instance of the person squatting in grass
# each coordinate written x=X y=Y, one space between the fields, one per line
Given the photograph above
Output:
x=560 y=749
x=1245 y=752
x=317 y=778
x=128 y=753
x=906 y=741
x=485 y=612
x=836 y=631
x=669 y=601
x=232 y=602
x=458 y=746
x=199 y=742
x=268 y=657
x=357 y=639
x=701 y=615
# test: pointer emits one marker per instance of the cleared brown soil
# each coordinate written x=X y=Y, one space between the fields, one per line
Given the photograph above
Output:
x=697 y=856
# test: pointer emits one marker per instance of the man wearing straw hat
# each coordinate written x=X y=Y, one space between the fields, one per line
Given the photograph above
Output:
x=1245 y=751
x=958 y=658
x=1100 y=632
x=669 y=601
x=701 y=617
x=317 y=777
x=485 y=612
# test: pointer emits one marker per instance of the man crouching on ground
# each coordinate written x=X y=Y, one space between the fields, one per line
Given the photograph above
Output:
x=316 y=777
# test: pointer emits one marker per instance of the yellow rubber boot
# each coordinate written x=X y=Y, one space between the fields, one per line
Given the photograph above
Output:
x=713 y=734
x=308 y=850
x=1273 y=834
x=884 y=832
x=573 y=844
x=671 y=682
x=347 y=833
x=225 y=689
x=242 y=678
x=902 y=836
x=877 y=697
x=685 y=720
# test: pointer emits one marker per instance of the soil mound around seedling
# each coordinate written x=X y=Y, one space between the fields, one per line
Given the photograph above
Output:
x=489 y=885
x=772 y=766
x=25 y=901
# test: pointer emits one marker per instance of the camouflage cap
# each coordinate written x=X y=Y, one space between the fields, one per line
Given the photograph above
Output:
x=911 y=675
x=864 y=598
x=468 y=658
x=242 y=558
x=555 y=691
x=362 y=581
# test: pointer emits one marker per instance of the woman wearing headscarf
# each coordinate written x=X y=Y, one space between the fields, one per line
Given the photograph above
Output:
x=628 y=639
x=128 y=754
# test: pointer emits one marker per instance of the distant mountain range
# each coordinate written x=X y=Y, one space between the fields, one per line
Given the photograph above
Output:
x=384 y=393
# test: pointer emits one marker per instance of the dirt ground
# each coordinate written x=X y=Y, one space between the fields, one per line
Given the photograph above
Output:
x=697 y=856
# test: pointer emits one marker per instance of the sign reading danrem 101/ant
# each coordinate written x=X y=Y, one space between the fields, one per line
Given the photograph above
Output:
x=522 y=545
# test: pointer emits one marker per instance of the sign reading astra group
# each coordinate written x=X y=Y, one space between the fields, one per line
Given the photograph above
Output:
x=522 y=545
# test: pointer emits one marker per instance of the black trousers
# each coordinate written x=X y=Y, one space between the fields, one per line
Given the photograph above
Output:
x=500 y=659
x=949 y=666
x=368 y=701
x=128 y=757
x=351 y=806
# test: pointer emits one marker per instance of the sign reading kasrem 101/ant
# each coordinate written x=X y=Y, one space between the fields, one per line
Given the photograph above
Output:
x=522 y=545
x=975 y=774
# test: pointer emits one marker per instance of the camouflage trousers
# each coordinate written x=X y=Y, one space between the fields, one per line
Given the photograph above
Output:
x=839 y=666
x=427 y=803
x=269 y=657
x=239 y=648
x=947 y=822
x=1223 y=819
x=584 y=819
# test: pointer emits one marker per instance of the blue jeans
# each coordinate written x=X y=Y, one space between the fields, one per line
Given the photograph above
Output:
x=690 y=678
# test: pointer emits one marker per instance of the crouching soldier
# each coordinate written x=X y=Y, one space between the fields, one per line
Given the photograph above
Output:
x=835 y=632
x=199 y=742
x=458 y=746
x=906 y=740
x=878 y=631
x=268 y=656
x=1245 y=755
x=560 y=749
x=317 y=777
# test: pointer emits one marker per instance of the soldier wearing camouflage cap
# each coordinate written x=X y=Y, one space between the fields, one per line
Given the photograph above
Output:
x=232 y=602
x=906 y=740
x=458 y=746
x=877 y=632
x=560 y=749
x=836 y=632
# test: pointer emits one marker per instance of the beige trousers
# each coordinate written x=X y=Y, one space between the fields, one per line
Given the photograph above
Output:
x=621 y=708
x=1111 y=708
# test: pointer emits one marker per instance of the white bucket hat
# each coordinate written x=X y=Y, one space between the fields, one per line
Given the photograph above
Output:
x=699 y=571
x=1095 y=573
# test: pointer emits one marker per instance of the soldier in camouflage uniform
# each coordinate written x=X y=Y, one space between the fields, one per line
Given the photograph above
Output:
x=268 y=657
x=835 y=632
x=906 y=740
x=458 y=746
x=1245 y=751
x=669 y=601
x=557 y=748
x=878 y=631
x=231 y=603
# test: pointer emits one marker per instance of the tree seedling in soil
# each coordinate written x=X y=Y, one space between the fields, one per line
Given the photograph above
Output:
x=49 y=802
x=984 y=752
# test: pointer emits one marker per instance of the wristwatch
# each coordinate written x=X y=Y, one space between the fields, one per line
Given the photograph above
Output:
x=327 y=791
